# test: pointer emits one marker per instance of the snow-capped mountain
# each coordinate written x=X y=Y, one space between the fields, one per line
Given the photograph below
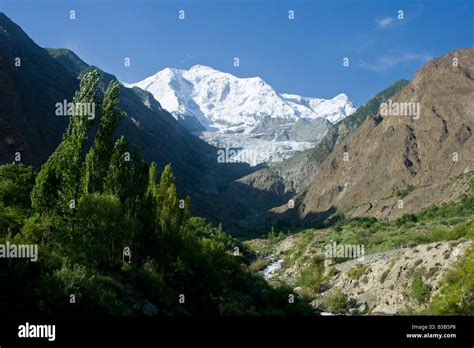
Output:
x=333 y=110
x=217 y=106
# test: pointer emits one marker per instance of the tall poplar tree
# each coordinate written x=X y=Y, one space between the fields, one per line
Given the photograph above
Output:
x=99 y=156
x=57 y=185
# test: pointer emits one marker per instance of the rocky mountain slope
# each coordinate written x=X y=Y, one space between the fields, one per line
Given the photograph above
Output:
x=389 y=158
x=293 y=175
x=31 y=83
x=244 y=113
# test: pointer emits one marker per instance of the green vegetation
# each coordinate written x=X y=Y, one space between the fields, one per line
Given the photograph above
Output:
x=419 y=290
x=295 y=253
x=69 y=60
x=403 y=193
x=357 y=271
x=16 y=182
x=336 y=302
x=259 y=264
x=115 y=238
x=372 y=107
x=445 y=222
x=457 y=290
x=312 y=276
x=448 y=221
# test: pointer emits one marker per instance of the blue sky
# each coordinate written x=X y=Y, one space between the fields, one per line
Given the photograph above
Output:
x=302 y=56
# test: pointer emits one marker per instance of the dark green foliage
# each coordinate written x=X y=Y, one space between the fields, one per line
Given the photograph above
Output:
x=92 y=293
x=16 y=182
x=406 y=219
x=98 y=237
x=38 y=229
x=69 y=60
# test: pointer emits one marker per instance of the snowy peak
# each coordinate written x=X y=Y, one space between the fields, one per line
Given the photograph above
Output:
x=203 y=69
x=217 y=104
x=333 y=110
x=223 y=102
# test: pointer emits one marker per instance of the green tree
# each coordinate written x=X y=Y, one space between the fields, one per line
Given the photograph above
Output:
x=136 y=208
x=220 y=229
x=116 y=180
x=58 y=181
x=98 y=238
x=168 y=200
x=99 y=156
x=16 y=182
x=172 y=216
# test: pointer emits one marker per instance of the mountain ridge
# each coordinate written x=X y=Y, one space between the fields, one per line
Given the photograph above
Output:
x=161 y=85
x=413 y=159
x=29 y=126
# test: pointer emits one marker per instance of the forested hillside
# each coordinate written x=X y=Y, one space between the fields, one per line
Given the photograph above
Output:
x=113 y=239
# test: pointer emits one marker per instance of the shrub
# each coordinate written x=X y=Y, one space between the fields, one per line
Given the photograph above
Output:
x=332 y=272
x=234 y=303
x=357 y=271
x=312 y=276
x=259 y=265
x=419 y=290
x=405 y=192
x=406 y=219
x=336 y=302
x=91 y=292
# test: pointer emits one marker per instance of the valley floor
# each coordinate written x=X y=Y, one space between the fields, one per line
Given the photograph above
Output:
x=418 y=264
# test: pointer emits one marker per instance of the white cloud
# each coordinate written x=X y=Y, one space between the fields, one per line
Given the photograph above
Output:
x=384 y=22
x=387 y=62
x=409 y=14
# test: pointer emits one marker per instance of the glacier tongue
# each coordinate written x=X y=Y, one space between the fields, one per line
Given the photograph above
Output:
x=227 y=111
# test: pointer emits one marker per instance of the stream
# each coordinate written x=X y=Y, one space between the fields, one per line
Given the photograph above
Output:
x=272 y=268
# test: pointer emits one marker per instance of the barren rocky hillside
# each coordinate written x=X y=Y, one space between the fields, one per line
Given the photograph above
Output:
x=389 y=158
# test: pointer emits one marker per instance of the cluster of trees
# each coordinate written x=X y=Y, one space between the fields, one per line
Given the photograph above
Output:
x=112 y=239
